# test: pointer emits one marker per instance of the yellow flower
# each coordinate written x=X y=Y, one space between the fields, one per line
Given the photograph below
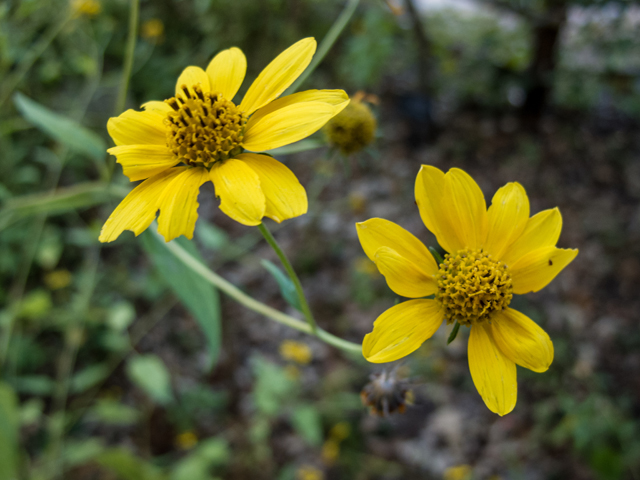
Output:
x=493 y=254
x=199 y=135
x=296 y=352
x=186 y=440
x=152 y=29
x=90 y=8
x=309 y=472
x=460 y=472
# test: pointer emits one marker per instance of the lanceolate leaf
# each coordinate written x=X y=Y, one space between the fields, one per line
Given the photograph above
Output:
x=61 y=128
x=287 y=289
x=199 y=297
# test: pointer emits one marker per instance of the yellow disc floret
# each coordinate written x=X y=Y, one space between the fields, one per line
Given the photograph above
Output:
x=204 y=127
x=471 y=286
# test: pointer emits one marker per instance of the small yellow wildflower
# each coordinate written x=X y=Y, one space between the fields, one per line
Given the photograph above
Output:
x=186 y=440
x=330 y=451
x=309 y=472
x=492 y=255
x=296 y=352
x=459 y=472
x=90 y=8
x=58 y=279
x=200 y=135
x=152 y=29
x=353 y=129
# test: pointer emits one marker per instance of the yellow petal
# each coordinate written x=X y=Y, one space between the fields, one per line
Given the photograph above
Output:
x=226 y=72
x=508 y=216
x=137 y=128
x=287 y=125
x=139 y=207
x=238 y=187
x=179 y=204
x=143 y=161
x=535 y=270
x=466 y=208
x=493 y=374
x=429 y=191
x=522 y=340
x=403 y=276
x=337 y=98
x=542 y=230
x=190 y=77
x=401 y=330
x=278 y=75
x=285 y=197
x=377 y=232
x=159 y=107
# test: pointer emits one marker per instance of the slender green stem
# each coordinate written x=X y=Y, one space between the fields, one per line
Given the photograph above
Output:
x=128 y=56
x=252 y=304
x=326 y=44
x=306 y=311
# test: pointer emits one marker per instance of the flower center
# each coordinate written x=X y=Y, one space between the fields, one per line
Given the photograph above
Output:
x=204 y=127
x=471 y=286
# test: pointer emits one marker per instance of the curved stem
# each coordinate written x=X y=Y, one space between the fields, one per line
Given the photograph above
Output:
x=252 y=304
x=292 y=275
x=326 y=44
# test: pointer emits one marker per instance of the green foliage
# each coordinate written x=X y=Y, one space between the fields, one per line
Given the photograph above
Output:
x=8 y=433
x=287 y=288
x=61 y=128
x=201 y=298
x=150 y=374
x=128 y=467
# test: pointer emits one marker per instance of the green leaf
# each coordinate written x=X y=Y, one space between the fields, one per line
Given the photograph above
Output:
x=112 y=412
x=307 y=422
x=208 y=454
x=198 y=296
x=287 y=289
x=127 y=466
x=150 y=374
x=8 y=433
x=79 y=452
x=273 y=389
x=60 y=128
x=82 y=195
x=89 y=377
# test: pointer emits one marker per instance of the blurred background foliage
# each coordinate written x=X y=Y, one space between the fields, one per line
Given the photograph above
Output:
x=117 y=362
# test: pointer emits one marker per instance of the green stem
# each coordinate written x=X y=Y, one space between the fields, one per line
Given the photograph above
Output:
x=306 y=311
x=326 y=44
x=128 y=56
x=252 y=304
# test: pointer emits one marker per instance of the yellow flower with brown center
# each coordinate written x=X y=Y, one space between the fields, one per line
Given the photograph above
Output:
x=492 y=254
x=201 y=135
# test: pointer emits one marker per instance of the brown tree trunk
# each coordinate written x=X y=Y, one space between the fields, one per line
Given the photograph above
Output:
x=546 y=34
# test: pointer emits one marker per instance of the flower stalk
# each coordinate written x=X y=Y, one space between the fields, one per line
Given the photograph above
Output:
x=253 y=304
x=304 y=305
